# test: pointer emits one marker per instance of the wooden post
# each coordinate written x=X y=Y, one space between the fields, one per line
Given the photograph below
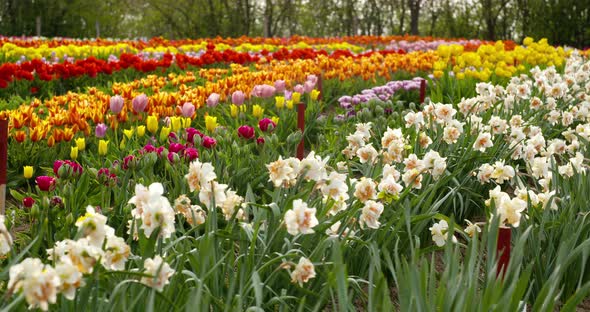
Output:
x=422 y=90
x=97 y=26
x=503 y=249
x=301 y=126
x=3 y=162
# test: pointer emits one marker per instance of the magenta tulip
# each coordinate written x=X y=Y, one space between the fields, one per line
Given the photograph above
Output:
x=246 y=132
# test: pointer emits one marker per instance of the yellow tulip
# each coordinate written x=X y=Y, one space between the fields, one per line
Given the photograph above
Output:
x=123 y=144
x=103 y=147
x=296 y=97
x=81 y=143
x=28 y=172
x=257 y=111
x=275 y=119
x=186 y=122
x=290 y=104
x=233 y=110
x=280 y=101
x=140 y=131
x=152 y=124
x=314 y=94
x=128 y=133
x=210 y=123
x=164 y=133
x=74 y=152
x=175 y=123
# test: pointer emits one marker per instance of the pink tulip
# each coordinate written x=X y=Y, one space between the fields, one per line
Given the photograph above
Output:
x=116 y=104
x=209 y=142
x=263 y=91
x=280 y=86
x=266 y=124
x=139 y=103
x=298 y=88
x=45 y=183
x=308 y=86
x=246 y=132
x=188 y=110
x=238 y=98
x=312 y=78
x=213 y=100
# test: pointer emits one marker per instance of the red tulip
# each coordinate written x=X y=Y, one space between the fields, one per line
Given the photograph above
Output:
x=28 y=202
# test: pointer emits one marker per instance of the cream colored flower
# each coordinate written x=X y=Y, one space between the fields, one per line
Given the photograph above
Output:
x=365 y=189
x=93 y=226
x=199 y=174
x=70 y=278
x=439 y=232
x=116 y=253
x=37 y=281
x=160 y=272
x=300 y=219
x=370 y=214
x=472 y=228
x=483 y=141
x=5 y=237
x=304 y=271
x=279 y=172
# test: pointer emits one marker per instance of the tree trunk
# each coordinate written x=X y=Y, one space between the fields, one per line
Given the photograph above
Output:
x=402 y=17
x=268 y=19
x=414 y=16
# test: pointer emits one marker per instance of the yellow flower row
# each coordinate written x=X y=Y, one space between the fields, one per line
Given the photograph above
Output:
x=496 y=59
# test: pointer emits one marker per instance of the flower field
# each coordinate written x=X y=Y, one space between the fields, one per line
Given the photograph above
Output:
x=363 y=173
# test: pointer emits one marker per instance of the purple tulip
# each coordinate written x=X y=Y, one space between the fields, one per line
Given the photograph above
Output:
x=100 y=130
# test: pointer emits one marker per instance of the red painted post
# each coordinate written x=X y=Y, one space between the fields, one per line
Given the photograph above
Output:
x=3 y=162
x=422 y=90
x=301 y=126
x=503 y=249
x=320 y=87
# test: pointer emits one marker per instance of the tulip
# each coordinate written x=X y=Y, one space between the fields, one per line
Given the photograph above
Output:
x=103 y=147
x=100 y=130
x=74 y=152
x=188 y=109
x=290 y=104
x=28 y=172
x=314 y=94
x=140 y=131
x=298 y=88
x=275 y=119
x=173 y=157
x=263 y=91
x=28 y=202
x=246 y=132
x=266 y=124
x=213 y=100
x=129 y=162
x=128 y=133
x=152 y=124
x=280 y=86
x=191 y=153
x=164 y=133
x=238 y=98
x=190 y=134
x=257 y=111
x=210 y=123
x=308 y=86
x=45 y=183
x=296 y=97
x=80 y=143
x=312 y=78
x=280 y=101
x=209 y=142
x=116 y=104
x=260 y=141
x=175 y=147
x=234 y=110
x=175 y=123
x=186 y=122
x=139 y=103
